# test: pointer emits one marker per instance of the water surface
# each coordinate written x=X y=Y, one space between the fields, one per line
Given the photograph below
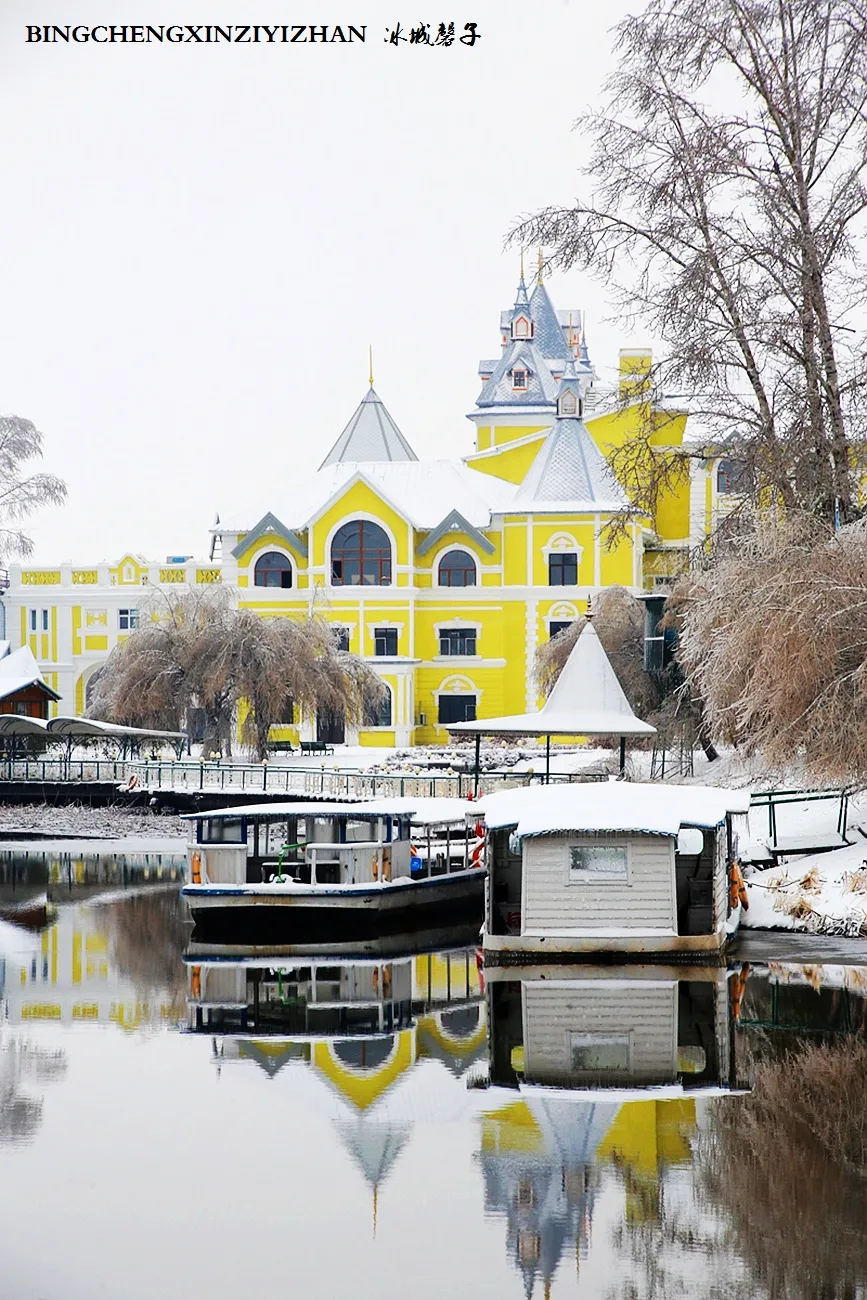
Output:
x=177 y=1126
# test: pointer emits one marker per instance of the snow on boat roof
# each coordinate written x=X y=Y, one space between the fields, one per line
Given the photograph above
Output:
x=420 y=811
x=616 y=806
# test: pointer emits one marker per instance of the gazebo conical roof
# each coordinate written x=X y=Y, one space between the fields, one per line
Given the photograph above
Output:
x=587 y=700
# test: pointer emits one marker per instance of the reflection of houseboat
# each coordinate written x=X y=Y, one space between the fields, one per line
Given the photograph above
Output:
x=605 y=1067
x=614 y=867
x=277 y=872
x=361 y=1028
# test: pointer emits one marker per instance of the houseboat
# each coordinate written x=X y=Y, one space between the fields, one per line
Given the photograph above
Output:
x=618 y=867
x=310 y=872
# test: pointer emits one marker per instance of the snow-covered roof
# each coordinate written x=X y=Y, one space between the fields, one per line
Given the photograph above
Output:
x=616 y=807
x=420 y=810
x=569 y=467
x=371 y=434
x=547 y=331
x=541 y=387
x=18 y=671
x=424 y=492
x=587 y=700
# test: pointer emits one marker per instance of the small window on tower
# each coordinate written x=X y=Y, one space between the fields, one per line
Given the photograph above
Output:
x=568 y=404
x=519 y=379
x=521 y=328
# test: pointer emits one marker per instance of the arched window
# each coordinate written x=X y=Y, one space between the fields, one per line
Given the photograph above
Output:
x=361 y=555
x=272 y=570
x=379 y=714
x=457 y=569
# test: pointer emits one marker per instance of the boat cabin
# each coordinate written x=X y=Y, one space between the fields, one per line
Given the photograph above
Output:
x=328 y=843
x=611 y=867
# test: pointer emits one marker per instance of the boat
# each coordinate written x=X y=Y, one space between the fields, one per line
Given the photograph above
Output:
x=284 y=873
x=612 y=868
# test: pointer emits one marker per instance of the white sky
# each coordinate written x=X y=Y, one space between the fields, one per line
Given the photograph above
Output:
x=198 y=242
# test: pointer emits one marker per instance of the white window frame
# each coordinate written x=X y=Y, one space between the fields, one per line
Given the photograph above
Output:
x=577 y=876
x=34 y=620
x=267 y=550
x=46 y=622
x=132 y=615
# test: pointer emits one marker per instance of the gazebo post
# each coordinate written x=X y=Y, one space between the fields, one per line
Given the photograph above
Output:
x=622 y=755
x=478 y=764
x=547 y=760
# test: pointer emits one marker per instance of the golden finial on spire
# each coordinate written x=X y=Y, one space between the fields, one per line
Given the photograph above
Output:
x=522 y=263
x=539 y=276
x=370 y=359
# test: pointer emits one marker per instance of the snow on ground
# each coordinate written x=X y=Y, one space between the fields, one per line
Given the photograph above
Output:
x=820 y=893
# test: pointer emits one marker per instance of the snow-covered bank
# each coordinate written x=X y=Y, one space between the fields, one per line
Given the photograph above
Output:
x=22 y=820
x=821 y=893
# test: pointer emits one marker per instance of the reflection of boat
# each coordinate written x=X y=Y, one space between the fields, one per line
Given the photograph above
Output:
x=33 y=914
x=349 y=1037
x=611 y=868
x=293 y=871
x=617 y=1029
x=605 y=1065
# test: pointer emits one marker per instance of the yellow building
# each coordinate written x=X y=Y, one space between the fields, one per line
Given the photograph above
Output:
x=446 y=575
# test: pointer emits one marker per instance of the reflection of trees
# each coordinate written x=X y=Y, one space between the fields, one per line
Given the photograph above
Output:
x=20 y=1062
x=148 y=934
x=788 y=1165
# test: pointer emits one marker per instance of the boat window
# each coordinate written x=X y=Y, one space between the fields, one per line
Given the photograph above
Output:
x=220 y=830
x=599 y=863
x=690 y=842
x=600 y=1052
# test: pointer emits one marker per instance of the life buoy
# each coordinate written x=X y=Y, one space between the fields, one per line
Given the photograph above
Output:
x=132 y=782
x=477 y=855
x=386 y=982
x=196 y=982
x=739 y=984
x=737 y=887
x=196 y=868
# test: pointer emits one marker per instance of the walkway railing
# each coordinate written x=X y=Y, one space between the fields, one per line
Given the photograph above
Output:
x=262 y=778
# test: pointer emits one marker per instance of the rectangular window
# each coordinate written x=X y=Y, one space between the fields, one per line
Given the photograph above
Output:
x=456 y=708
x=45 y=620
x=33 y=617
x=342 y=638
x=218 y=830
x=556 y=626
x=385 y=641
x=458 y=641
x=127 y=619
x=563 y=569
x=519 y=380
x=600 y=1052
x=601 y=864
x=21 y=709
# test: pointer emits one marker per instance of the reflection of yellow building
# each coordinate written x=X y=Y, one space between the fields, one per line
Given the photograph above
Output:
x=70 y=978
x=543 y=1157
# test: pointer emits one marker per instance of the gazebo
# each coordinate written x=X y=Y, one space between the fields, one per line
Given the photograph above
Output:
x=587 y=700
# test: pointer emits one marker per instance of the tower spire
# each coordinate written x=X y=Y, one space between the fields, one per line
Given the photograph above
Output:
x=522 y=266
x=370 y=360
x=539 y=275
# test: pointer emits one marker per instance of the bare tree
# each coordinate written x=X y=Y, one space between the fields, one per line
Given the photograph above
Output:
x=727 y=211
x=773 y=638
x=22 y=493
x=197 y=650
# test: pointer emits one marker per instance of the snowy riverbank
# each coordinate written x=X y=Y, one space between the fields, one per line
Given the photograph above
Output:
x=81 y=821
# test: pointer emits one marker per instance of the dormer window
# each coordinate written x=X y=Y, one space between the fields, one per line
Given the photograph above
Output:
x=522 y=328
x=519 y=380
x=568 y=403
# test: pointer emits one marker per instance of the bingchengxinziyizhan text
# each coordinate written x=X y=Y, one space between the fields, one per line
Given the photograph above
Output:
x=440 y=35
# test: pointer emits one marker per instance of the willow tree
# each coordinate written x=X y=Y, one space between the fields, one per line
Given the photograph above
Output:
x=724 y=207
x=197 y=651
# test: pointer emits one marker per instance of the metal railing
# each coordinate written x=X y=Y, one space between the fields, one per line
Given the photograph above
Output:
x=773 y=800
x=183 y=776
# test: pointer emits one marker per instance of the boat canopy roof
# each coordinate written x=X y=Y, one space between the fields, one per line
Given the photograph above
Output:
x=618 y=807
x=420 y=811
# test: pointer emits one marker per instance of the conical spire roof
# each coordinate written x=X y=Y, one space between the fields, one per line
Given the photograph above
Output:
x=570 y=473
x=547 y=331
x=587 y=700
x=370 y=435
